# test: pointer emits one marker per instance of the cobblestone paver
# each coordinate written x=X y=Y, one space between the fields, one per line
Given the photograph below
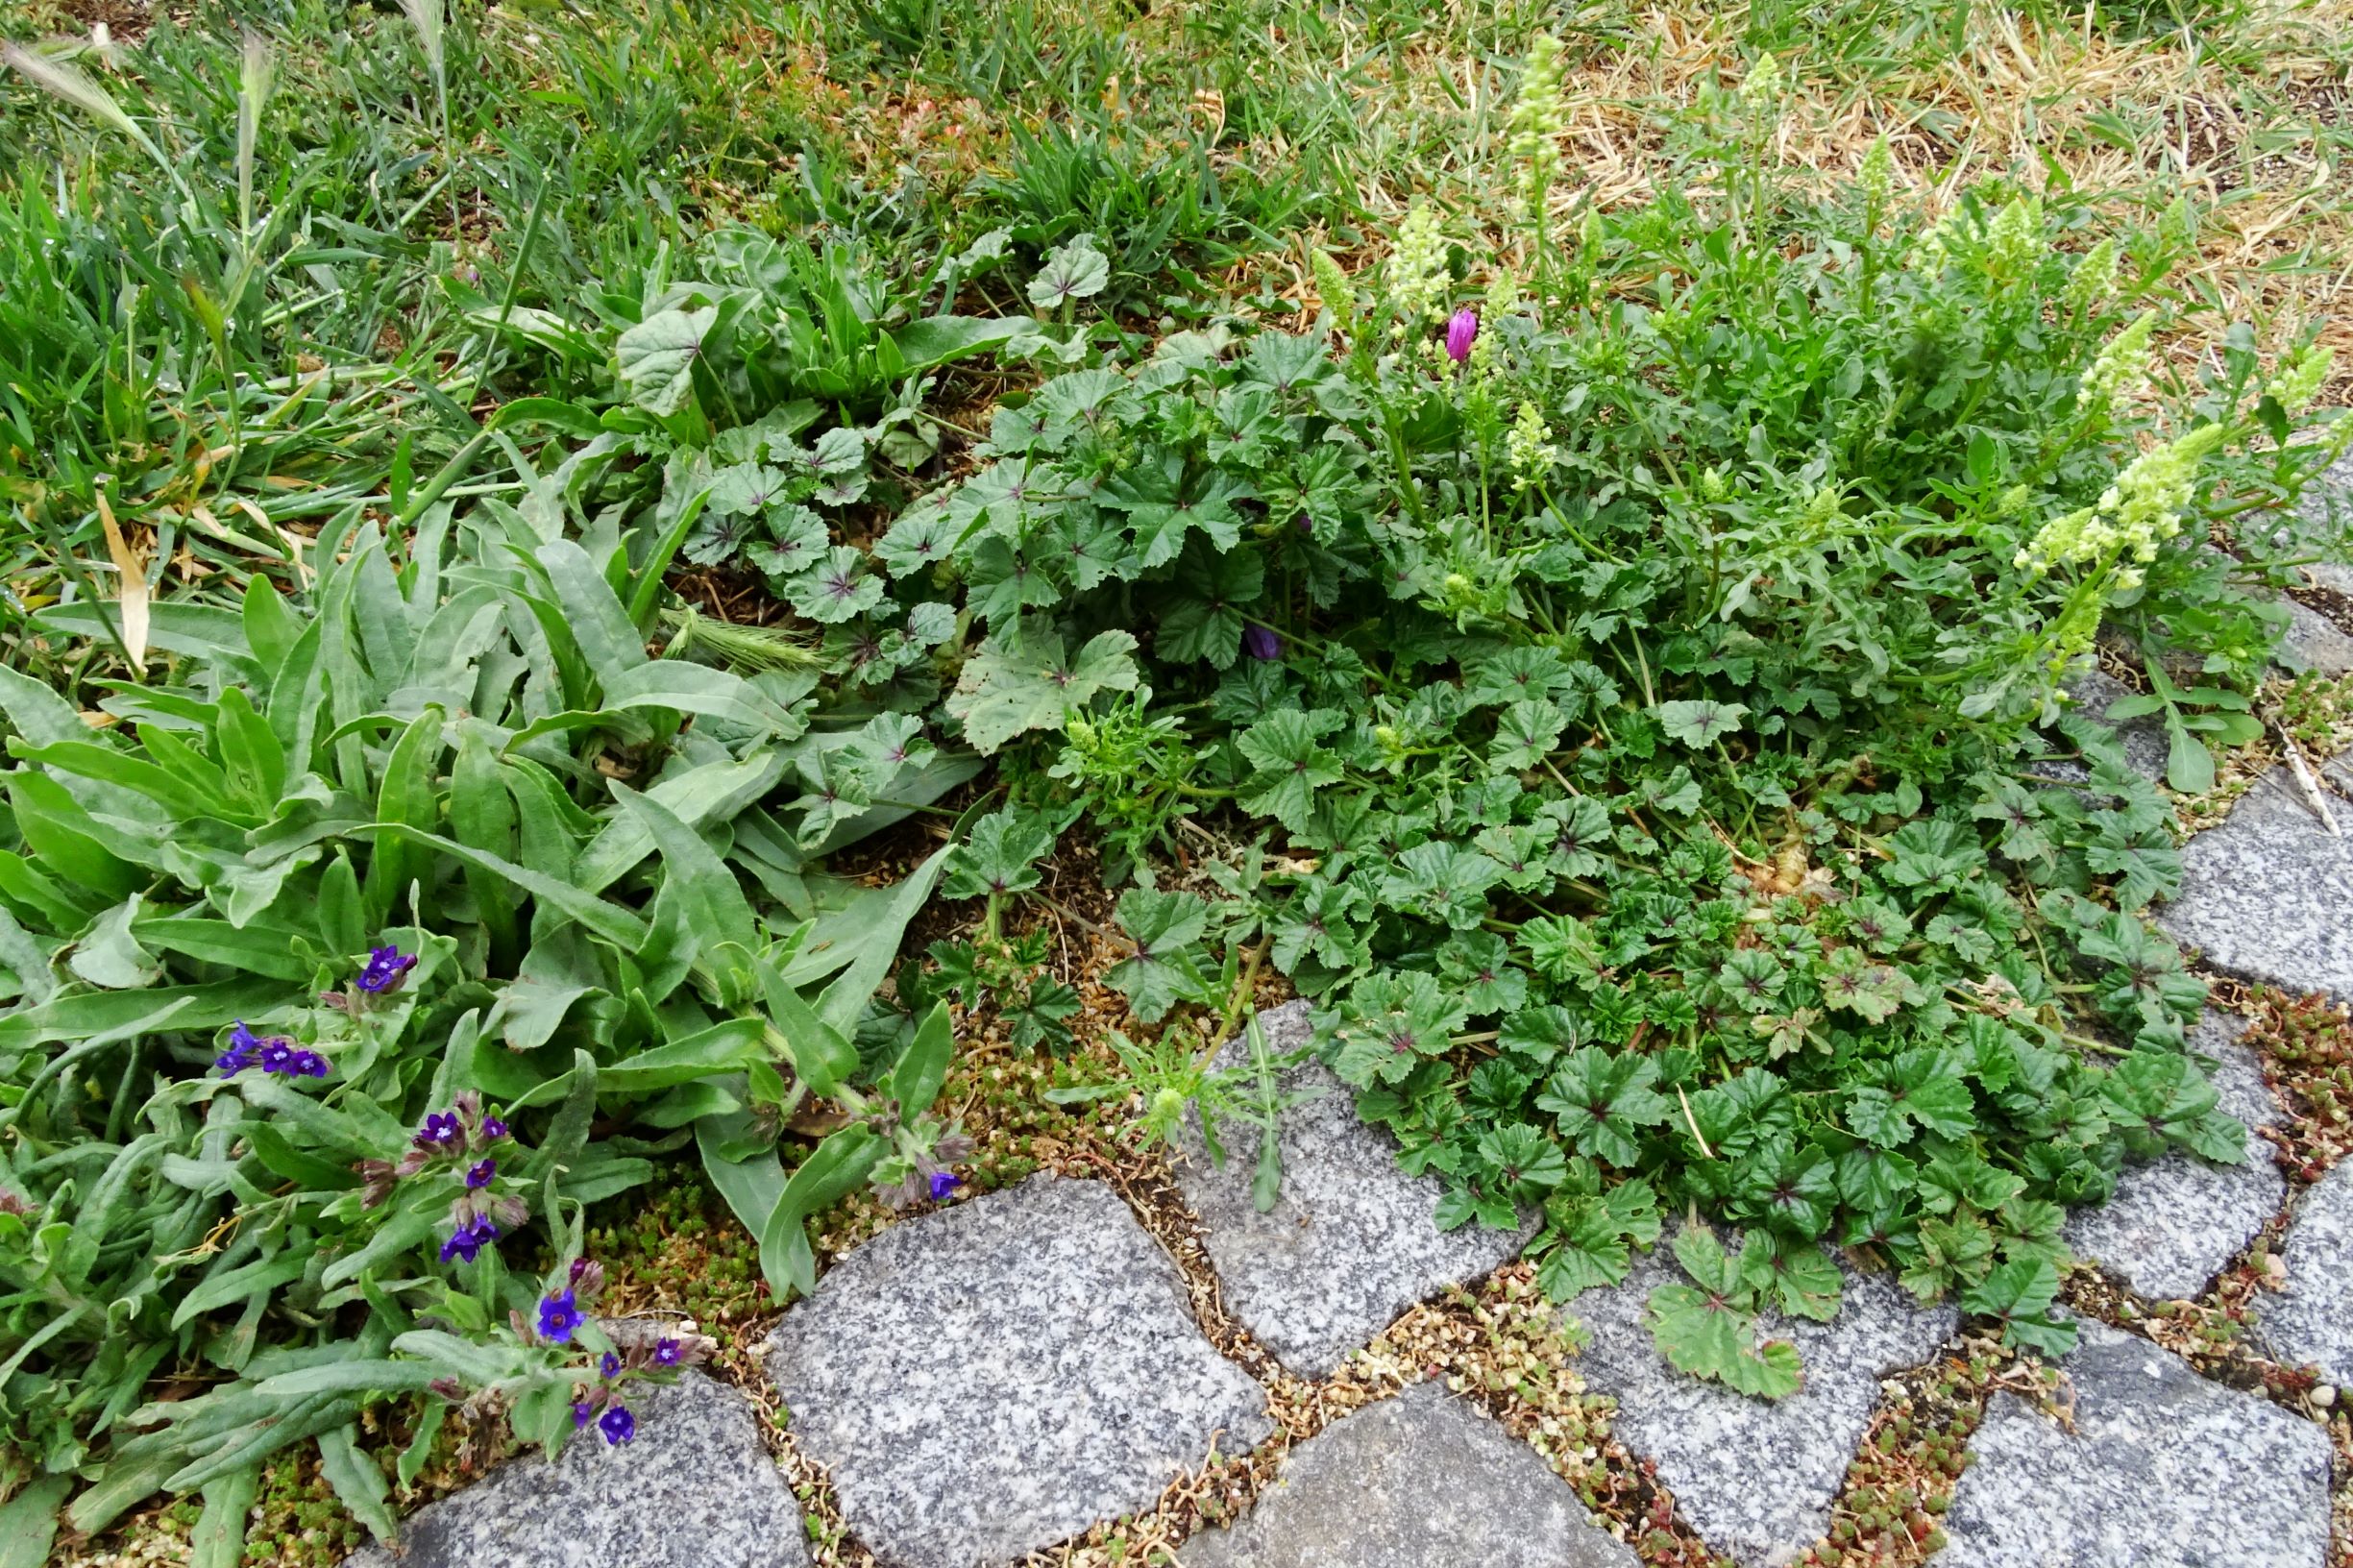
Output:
x=2268 y=895
x=2311 y=1322
x=2172 y=1223
x=1422 y=1480
x=2162 y=1469
x=1755 y=1478
x=1000 y=1375
x=1350 y=1243
x=694 y=1488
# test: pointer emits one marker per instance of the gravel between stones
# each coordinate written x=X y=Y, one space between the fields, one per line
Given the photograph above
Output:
x=1350 y=1243
x=1000 y=1375
x=2163 y=1470
x=1421 y=1480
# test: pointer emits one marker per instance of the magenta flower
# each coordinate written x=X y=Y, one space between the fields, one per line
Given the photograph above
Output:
x=1461 y=332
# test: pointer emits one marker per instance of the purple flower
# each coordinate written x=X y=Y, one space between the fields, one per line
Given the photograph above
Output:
x=559 y=1316
x=1261 y=644
x=609 y=1366
x=468 y=1240
x=386 y=965
x=242 y=1048
x=479 y=1176
x=278 y=1055
x=581 y=1411
x=1461 y=332
x=441 y=1129
x=617 y=1425
x=942 y=1183
x=668 y=1352
x=309 y=1065
x=493 y=1129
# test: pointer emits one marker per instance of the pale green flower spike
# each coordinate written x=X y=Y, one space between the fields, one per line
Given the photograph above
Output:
x=1878 y=176
x=1761 y=90
x=1331 y=287
x=1528 y=447
x=2092 y=280
x=1538 y=119
x=2122 y=362
x=2133 y=515
x=2299 y=380
x=1417 y=267
x=2014 y=239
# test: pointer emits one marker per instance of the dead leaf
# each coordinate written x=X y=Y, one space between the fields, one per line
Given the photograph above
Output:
x=133 y=594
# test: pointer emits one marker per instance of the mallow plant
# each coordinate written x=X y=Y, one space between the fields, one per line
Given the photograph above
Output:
x=1629 y=674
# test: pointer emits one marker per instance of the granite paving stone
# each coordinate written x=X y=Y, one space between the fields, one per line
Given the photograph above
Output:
x=999 y=1375
x=1349 y=1244
x=2163 y=1469
x=2174 y=1222
x=1755 y=1478
x=694 y=1488
x=2311 y=1322
x=2268 y=895
x=2315 y=643
x=2145 y=747
x=2331 y=499
x=1421 y=1480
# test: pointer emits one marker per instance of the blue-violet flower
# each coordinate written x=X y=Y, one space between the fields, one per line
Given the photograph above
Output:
x=580 y=1413
x=241 y=1052
x=384 y=969
x=609 y=1366
x=478 y=1175
x=667 y=1353
x=559 y=1316
x=468 y=1240
x=1261 y=643
x=942 y=1183
x=617 y=1425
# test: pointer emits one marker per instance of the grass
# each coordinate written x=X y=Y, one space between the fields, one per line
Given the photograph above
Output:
x=276 y=263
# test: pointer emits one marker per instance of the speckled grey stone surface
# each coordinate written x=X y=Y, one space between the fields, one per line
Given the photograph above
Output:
x=999 y=1375
x=1422 y=1480
x=1350 y=1243
x=1754 y=1477
x=2267 y=894
x=2163 y=1470
x=2311 y=1322
x=2174 y=1222
x=2143 y=739
x=2335 y=490
x=694 y=1488
x=2315 y=643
